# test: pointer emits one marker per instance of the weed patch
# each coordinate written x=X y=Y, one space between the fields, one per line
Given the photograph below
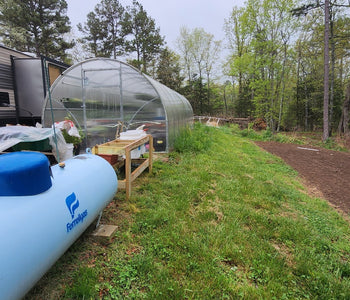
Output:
x=84 y=284
x=198 y=140
x=301 y=138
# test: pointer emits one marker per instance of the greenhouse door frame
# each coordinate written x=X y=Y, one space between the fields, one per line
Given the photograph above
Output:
x=84 y=83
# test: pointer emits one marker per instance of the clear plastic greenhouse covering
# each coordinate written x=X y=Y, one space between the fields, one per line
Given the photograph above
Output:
x=104 y=96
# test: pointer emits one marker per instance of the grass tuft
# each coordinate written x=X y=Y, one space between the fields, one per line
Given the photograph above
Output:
x=194 y=141
x=84 y=284
x=301 y=138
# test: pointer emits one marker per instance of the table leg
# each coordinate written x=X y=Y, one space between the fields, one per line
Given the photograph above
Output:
x=150 y=156
x=128 y=174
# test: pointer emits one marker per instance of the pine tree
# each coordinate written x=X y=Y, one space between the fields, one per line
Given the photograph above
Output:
x=105 y=29
x=146 y=39
x=36 y=26
x=168 y=69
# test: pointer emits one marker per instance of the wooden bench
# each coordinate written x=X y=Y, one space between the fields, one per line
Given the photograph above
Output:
x=122 y=148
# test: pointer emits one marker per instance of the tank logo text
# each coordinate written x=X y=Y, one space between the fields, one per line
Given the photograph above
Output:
x=79 y=219
x=72 y=203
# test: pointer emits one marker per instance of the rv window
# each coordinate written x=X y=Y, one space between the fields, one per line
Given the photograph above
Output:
x=4 y=99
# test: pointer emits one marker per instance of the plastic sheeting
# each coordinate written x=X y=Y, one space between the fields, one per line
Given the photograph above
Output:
x=104 y=97
x=12 y=135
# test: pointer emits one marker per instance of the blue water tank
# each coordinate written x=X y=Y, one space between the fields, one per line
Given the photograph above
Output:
x=24 y=174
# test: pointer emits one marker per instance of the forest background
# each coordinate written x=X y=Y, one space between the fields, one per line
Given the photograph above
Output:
x=287 y=64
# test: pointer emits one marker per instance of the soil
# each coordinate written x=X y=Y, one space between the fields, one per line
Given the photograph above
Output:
x=326 y=173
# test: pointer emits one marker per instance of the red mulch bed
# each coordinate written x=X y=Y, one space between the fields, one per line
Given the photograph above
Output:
x=327 y=171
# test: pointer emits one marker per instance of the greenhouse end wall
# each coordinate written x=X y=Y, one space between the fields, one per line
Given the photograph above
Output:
x=105 y=96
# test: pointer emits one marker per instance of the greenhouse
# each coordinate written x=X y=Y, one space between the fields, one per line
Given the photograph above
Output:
x=104 y=97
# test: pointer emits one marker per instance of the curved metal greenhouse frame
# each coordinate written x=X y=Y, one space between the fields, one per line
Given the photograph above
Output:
x=102 y=96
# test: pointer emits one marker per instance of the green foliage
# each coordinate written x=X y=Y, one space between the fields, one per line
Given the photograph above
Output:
x=105 y=29
x=84 y=284
x=277 y=63
x=260 y=37
x=199 y=54
x=250 y=133
x=146 y=41
x=168 y=69
x=35 y=26
x=195 y=94
x=267 y=135
x=71 y=139
x=331 y=144
x=197 y=140
x=292 y=138
x=124 y=273
x=112 y=30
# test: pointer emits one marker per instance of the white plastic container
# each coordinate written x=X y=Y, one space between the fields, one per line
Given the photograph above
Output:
x=131 y=135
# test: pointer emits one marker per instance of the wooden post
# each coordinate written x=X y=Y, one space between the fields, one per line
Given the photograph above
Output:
x=150 y=156
x=128 y=173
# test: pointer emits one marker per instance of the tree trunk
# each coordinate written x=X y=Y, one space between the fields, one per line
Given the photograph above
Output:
x=225 y=101
x=299 y=117
x=306 y=121
x=326 y=74
x=344 y=120
x=240 y=87
x=272 y=101
x=331 y=100
x=200 y=89
x=341 y=72
x=283 y=88
x=208 y=87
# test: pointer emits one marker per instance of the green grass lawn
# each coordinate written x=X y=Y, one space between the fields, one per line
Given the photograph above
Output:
x=219 y=219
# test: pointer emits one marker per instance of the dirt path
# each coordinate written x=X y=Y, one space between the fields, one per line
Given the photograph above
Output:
x=327 y=171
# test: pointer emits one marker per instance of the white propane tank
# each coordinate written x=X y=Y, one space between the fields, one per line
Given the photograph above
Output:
x=36 y=226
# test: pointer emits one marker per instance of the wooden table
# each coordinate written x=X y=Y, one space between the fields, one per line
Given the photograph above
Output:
x=123 y=148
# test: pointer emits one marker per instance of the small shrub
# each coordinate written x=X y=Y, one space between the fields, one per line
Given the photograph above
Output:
x=197 y=140
x=252 y=134
x=283 y=138
x=267 y=134
x=234 y=128
x=331 y=144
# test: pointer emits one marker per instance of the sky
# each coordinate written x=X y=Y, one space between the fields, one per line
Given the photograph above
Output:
x=170 y=15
